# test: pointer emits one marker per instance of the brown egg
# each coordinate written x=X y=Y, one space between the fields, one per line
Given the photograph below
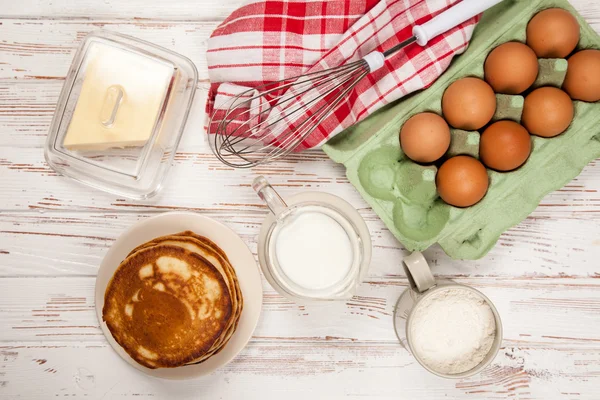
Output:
x=469 y=104
x=511 y=68
x=425 y=137
x=553 y=33
x=583 y=76
x=504 y=146
x=547 y=112
x=462 y=181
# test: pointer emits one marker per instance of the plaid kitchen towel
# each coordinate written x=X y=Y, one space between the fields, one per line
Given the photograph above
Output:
x=269 y=40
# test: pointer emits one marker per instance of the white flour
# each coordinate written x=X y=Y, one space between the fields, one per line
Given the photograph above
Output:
x=452 y=330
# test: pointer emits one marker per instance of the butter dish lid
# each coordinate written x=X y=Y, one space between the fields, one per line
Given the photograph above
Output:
x=121 y=114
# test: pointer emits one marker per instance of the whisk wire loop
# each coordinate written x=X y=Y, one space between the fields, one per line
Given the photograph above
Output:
x=268 y=122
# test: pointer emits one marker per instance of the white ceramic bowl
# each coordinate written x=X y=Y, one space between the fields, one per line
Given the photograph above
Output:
x=241 y=259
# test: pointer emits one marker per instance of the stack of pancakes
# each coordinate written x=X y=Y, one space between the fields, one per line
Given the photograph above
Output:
x=173 y=301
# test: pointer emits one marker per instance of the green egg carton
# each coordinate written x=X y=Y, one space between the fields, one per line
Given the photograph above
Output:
x=403 y=193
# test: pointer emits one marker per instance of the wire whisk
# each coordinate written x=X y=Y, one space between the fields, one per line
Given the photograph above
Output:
x=268 y=122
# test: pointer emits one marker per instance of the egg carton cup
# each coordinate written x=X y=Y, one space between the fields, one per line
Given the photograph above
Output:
x=404 y=194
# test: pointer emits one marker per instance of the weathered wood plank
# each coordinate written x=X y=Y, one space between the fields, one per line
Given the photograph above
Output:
x=26 y=110
x=197 y=181
x=73 y=244
x=544 y=312
x=301 y=370
x=43 y=50
x=206 y=10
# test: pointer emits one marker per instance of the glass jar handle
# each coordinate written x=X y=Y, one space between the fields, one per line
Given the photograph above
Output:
x=266 y=192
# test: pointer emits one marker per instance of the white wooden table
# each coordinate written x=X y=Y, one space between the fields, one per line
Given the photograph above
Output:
x=543 y=275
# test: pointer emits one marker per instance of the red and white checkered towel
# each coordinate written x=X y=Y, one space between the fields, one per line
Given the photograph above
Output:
x=270 y=40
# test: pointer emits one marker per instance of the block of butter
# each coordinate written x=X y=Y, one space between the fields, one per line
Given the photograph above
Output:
x=121 y=99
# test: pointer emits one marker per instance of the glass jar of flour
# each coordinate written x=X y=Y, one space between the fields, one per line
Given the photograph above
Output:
x=313 y=246
x=453 y=330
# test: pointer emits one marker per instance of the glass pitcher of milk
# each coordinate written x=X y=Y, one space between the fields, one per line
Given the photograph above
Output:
x=315 y=246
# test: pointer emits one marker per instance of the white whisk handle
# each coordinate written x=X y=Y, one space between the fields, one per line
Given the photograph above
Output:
x=375 y=60
x=450 y=18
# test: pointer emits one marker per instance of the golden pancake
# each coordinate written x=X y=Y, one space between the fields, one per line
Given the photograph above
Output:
x=209 y=250
x=193 y=245
x=241 y=300
x=202 y=246
x=167 y=306
x=206 y=244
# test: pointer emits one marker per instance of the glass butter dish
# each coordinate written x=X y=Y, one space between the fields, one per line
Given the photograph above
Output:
x=121 y=114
